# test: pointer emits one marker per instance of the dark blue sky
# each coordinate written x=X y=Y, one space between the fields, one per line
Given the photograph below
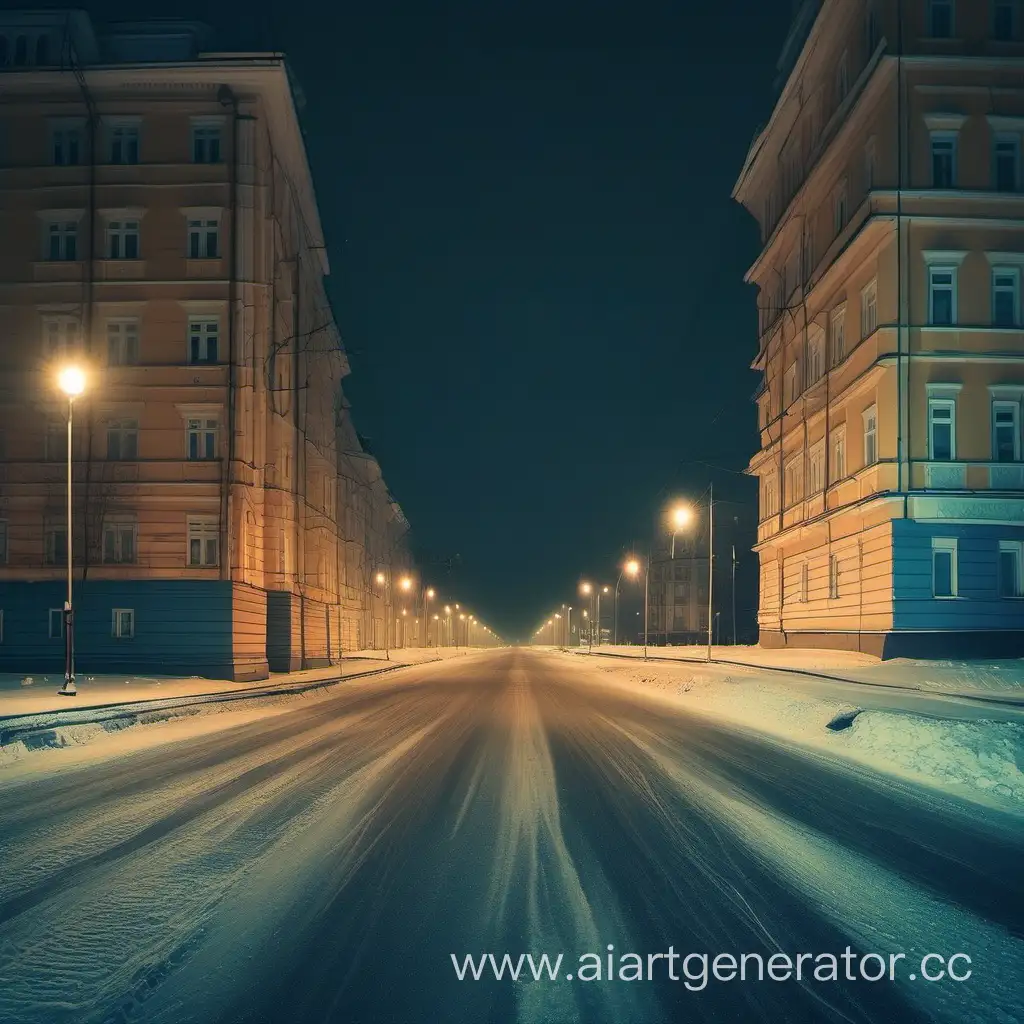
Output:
x=536 y=264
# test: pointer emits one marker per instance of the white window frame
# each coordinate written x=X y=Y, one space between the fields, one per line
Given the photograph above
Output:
x=837 y=332
x=1011 y=140
x=869 y=309
x=793 y=479
x=119 y=231
x=870 y=419
x=941 y=405
x=61 y=334
x=202 y=530
x=1000 y=405
x=200 y=231
x=933 y=5
x=124 y=144
x=791 y=385
x=62 y=229
x=816 y=468
x=934 y=288
x=203 y=329
x=770 y=495
x=205 y=133
x=67 y=139
x=202 y=429
x=123 y=429
x=122 y=623
x=946 y=545
x=839 y=454
x=1012 y=275
x=815 y=356
x=1014 y=548
x=947 y=143
x=122 y=341
x=115 y=530
x=833 y=577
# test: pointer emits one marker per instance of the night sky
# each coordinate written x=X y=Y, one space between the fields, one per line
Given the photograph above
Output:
x=536 y=264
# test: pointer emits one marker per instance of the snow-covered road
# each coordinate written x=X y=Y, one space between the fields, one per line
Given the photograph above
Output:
x=322 y=861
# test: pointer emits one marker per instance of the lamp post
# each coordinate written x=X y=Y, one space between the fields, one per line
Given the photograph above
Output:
x=597 y=614
x=711 y=563
x=384 y=581
x=428 y=595
x=632 y=569
x=587 y=590
x=72 y=382
x=568 y=627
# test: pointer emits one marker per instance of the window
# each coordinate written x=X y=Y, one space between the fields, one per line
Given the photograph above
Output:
x=839 y=454
x=816 y=468
x=843 y=78
x=3 y=541
x=202 y=438
x=56 y=623
x=202 y=340
x=833 y=577
x=122 y=623
x=941 y=429
x=769 y=496
x=789 y=385
x=871 y=436
x=1004 y=20
x=1006 y=431
x=123 y=439
x=118 y=543
x=66 y=144
x=942 y=296
x=839 y=335
x=794 y=479
x=56 y=545
x=869 y=310
x=62 y=240
x=206 y=144
x=840 y=209
x=1005 y=296
x=56 y=440
x=203 y=239
x=123 y=240
x=1006 y=163
x=944 y=159
x=944 y=567
x=940 y=19
x=60 y=335
x=1011 y=564
x=124 y=144
x=122 y=342
x=804 y=582
x=203 y=541
x=815 y=356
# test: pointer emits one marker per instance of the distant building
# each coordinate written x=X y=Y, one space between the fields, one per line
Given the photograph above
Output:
x=160 y=225
x=889 y=188
x=678 y=597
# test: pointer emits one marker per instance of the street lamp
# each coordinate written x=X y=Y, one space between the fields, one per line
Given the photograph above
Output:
x=71 y=381
x=629 y=568
x=428 y=595
x=632 y=570
x=383 y=580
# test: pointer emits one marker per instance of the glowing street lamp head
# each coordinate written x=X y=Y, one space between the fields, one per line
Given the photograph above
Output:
x=381 y=579
x=430 y=593
x=405 y=583
x=680 y=517
x=632 y=567
x=462 y=618
x=447 y=609
x=405 y=611
x=586 y=588
x=71 y=381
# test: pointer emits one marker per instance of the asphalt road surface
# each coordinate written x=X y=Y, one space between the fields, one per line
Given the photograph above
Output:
x=324 y=860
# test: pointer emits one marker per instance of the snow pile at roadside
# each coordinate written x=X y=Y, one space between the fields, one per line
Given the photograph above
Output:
x=999 y=677
x=978 y=759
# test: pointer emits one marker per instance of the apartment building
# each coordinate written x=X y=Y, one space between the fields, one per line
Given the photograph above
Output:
x=678 y=597
x=889 y=188
x=161 y=230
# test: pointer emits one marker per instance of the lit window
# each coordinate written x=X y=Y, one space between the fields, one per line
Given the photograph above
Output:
x=124 y=144
x=203 y=541
x=870 y=436
x=940 y=19
x=62 y=240
x=1006 y=163
x=1005 y=296
x=1006 y=441
x=203 y=239
x=202 y=340
x=122 y=623
x=869 y=310
x=943 y=160
x=942 y=296
x=123 y=440
x=202 y=439
x=206 y=144
x=123 y=240
x=122 y=342
x=944 y=567
x=118 y=543
x=941 y=429
x=1011 y=568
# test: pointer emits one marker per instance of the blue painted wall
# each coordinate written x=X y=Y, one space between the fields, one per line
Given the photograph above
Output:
x=182 y=627
x=978 y=605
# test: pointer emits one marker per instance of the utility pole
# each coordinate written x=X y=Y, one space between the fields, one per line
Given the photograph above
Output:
x=711 y=563
x=734 y=595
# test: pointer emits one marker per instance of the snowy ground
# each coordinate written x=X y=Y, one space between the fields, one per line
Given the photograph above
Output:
x=31 y=694
x=321 y=859
x=974 y=750
x=991 y=676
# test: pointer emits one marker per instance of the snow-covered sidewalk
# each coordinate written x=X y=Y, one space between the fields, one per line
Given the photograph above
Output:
x=1004 y=678
x=37 y=694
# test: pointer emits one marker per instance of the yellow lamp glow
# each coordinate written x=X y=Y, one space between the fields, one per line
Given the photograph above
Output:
x=71 y=381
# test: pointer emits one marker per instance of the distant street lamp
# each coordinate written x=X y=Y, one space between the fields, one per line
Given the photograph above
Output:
x=71 y=381
x=428 y=595
x=632 y=569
